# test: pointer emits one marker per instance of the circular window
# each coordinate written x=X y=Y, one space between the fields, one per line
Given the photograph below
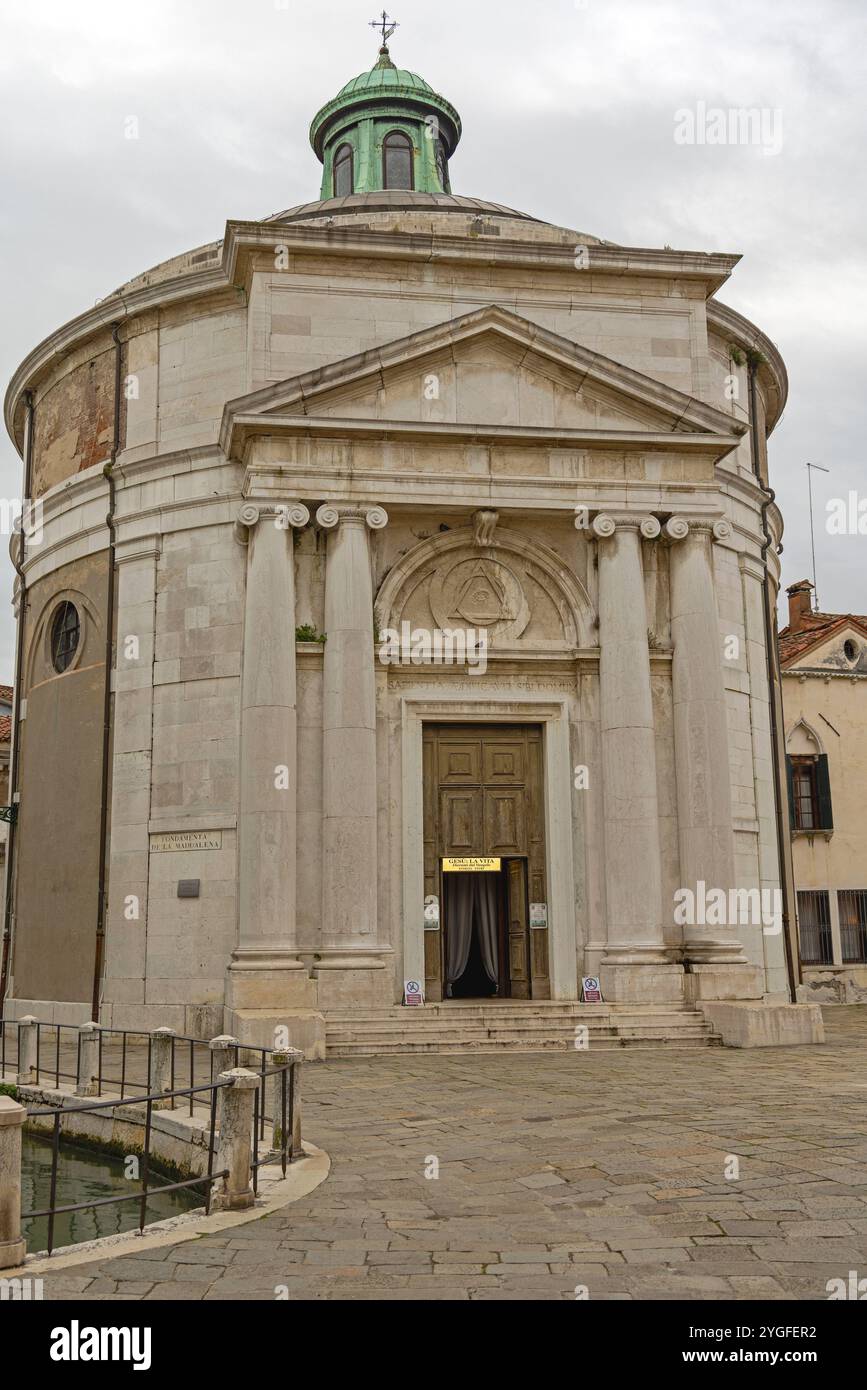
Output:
x=65 y=635
x=850 y=650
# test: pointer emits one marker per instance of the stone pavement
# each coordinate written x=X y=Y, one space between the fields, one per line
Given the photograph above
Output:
x=715 y=1174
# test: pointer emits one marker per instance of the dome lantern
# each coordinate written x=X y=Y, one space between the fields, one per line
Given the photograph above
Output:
x=386 y=129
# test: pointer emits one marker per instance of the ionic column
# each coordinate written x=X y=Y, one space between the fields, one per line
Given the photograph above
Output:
x=636 y=965
x=701 y=738
x=265 y=972
x=349 y=848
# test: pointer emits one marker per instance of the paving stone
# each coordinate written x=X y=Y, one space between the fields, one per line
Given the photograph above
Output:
x=622 y=1191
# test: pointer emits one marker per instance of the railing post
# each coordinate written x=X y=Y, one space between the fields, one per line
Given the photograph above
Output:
x=293 y=1089
x=87 y=1082
x=160 y=1078
x=12 y=1246
x=27 y=1043
x=222 y=1059
x=235 y=1192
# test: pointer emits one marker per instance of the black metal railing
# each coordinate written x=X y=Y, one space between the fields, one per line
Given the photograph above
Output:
x=283 y=1131
x=196 y=1064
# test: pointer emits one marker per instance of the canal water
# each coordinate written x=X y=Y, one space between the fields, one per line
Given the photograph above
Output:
x=81 y=1174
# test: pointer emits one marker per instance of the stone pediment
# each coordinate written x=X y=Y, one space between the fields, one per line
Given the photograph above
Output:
x=488 y=368
x=843 y=651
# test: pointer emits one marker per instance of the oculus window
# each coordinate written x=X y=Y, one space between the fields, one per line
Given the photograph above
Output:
x=65 y=636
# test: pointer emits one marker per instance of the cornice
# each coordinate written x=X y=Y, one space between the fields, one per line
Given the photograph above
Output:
x=243 y=240
x=244 y=429
x=744 y=334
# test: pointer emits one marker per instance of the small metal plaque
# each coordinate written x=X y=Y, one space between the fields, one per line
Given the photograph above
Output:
x=189 y=887
x=431 y=913
x=472 y=864
x=538 y=916
x=176 y=841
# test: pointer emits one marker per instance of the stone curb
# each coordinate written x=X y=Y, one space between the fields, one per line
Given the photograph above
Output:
x=304 y=1175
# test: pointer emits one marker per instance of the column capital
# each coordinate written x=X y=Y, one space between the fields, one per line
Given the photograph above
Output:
x=285 y=516
x=330 y=515
x=678 y=528
x=605 y=524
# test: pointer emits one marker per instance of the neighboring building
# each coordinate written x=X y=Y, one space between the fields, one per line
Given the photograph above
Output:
x=426 y=414
x=824 y=662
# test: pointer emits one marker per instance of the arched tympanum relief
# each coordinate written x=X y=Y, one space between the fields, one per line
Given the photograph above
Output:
x=515 y=588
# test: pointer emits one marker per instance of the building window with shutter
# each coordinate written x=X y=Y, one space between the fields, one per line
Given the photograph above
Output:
x=852 y=909
x=814 y=925
x=810 y=793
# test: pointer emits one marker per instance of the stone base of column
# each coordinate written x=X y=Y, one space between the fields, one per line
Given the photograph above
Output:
x=355 y=977
x=303 y=1029
x=12 y=1255
x=644 y=982
x=265 y=978
x=751 y=1024
x=723 y=981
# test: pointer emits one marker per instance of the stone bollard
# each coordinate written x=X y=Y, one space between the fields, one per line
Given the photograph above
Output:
x=223 y=1056
x=27 y=1048
x=160 y=1078
x=235 y=1192
x=276 y=1098
x=12 y=1246
x=88 y=1060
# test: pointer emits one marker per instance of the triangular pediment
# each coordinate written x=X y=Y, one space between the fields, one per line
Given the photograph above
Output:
x=839 y=650
x=488 y=368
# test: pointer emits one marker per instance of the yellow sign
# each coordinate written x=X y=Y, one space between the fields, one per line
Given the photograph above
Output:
x=477 y=865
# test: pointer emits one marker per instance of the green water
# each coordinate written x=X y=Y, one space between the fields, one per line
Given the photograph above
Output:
x=81 y=1174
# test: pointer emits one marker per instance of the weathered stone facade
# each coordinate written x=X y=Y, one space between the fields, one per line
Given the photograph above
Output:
x=334 y=420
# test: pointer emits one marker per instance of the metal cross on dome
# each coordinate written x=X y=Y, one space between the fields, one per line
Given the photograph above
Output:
x=387 y=25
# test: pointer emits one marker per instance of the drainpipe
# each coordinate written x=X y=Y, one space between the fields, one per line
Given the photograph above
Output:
x=18 y=562
x=106 y=703
x=781 y=811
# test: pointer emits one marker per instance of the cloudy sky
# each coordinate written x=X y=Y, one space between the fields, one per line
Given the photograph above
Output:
x=569 y=110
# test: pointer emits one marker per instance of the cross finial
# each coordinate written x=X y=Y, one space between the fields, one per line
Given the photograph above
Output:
x=387 y=25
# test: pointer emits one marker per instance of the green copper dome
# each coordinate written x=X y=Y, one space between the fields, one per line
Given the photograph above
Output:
x=386 y=130
x=386 y=77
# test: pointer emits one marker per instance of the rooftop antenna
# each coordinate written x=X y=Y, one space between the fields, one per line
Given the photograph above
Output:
x=809 y=467
x=387 y=25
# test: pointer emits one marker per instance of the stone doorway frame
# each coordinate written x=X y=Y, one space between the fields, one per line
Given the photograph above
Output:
x=553 y=715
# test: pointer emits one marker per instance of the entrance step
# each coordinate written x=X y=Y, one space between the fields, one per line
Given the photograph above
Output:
x=515 y=1026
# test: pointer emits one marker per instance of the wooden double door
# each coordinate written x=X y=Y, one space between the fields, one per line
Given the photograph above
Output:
x=483 y=798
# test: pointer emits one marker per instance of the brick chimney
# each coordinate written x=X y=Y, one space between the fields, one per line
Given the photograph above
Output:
x=800 y=604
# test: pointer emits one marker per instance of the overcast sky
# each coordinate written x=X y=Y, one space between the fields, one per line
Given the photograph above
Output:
x=570 y=112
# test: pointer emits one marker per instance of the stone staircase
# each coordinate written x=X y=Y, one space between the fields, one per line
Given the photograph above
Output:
x=513 y=1025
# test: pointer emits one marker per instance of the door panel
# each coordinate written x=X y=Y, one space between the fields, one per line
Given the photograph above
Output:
x=518 y=929
x=538 y=891
x=461 y=822
x=504 y=822
x=459 y=762
x=504 y=762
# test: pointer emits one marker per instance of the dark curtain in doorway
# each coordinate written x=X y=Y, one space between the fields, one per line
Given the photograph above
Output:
x=471 y=905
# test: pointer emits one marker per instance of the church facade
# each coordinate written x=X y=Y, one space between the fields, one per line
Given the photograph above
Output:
x=398 y=617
